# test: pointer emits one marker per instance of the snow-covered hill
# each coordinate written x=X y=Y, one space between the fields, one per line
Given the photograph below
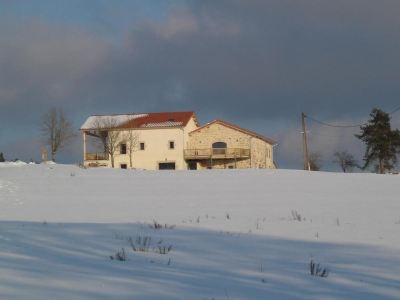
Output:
x=232 y=234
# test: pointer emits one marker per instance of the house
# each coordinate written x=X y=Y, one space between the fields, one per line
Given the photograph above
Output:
x=159 y=140
x=171 y=140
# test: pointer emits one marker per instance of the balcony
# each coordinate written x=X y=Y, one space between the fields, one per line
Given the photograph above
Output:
x=217 y=153
x=96 y=156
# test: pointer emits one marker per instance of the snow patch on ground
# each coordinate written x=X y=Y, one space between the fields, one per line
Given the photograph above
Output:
x=9 y=164
x=234 y=234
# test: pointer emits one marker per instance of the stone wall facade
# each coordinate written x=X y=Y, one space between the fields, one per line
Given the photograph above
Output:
x=260 y=151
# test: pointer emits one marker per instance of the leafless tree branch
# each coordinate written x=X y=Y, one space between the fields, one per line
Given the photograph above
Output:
x=57 y=131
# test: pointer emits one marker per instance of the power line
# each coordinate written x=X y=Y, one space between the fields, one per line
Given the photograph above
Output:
x=304 y=132
x=333 y=125
x=317 y=134
x=346 y=126
x=395 y=110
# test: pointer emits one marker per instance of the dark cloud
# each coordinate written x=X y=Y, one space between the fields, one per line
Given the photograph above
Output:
x=257 y=63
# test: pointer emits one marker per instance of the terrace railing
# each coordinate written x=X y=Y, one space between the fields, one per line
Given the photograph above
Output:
x=217 y=153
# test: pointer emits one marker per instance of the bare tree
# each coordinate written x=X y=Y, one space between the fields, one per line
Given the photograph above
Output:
x=132 y=139
x=110 y=136
x=56 y=130
x=345 y=160
x=314 y=160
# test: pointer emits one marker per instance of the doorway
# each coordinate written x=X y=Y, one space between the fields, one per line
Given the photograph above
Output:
x=192 y=165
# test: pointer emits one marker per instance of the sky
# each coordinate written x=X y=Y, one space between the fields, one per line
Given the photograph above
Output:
x=257 y=63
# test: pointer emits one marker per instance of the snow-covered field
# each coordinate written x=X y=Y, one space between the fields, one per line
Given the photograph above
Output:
x=234 y=234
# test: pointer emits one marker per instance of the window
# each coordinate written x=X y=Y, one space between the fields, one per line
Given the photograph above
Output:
x=124 y=166
x=219 y=148
x=219 y=145
x=142 y=146
x=122 y=148
x=166 y=166
x=171 y=145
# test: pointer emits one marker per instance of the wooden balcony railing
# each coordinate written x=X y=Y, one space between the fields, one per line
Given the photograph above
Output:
x=217 y=153
x=96 y=156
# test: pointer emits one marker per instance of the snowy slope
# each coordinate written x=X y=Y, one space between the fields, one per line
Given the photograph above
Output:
x=233 y=234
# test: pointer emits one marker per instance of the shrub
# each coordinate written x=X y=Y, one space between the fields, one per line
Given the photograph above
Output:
x=120 y=255
x=317 y=270
x=296 y=216
x=157 y=225
x=164 y=249
x=142 y=244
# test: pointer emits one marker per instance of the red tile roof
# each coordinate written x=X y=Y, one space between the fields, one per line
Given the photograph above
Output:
x=235 y=127
x=161 y=119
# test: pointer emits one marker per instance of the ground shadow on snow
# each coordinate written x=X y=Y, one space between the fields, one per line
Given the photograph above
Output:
x=71 y=261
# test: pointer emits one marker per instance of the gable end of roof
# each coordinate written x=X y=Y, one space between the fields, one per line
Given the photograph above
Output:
x=235 y=127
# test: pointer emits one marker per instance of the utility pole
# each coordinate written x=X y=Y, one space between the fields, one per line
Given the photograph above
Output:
x=305 y=145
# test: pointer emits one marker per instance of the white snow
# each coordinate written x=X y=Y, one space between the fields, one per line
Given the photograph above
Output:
x=94 y=121
x=233 y=234
x=48 y=162
x=8 y=164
